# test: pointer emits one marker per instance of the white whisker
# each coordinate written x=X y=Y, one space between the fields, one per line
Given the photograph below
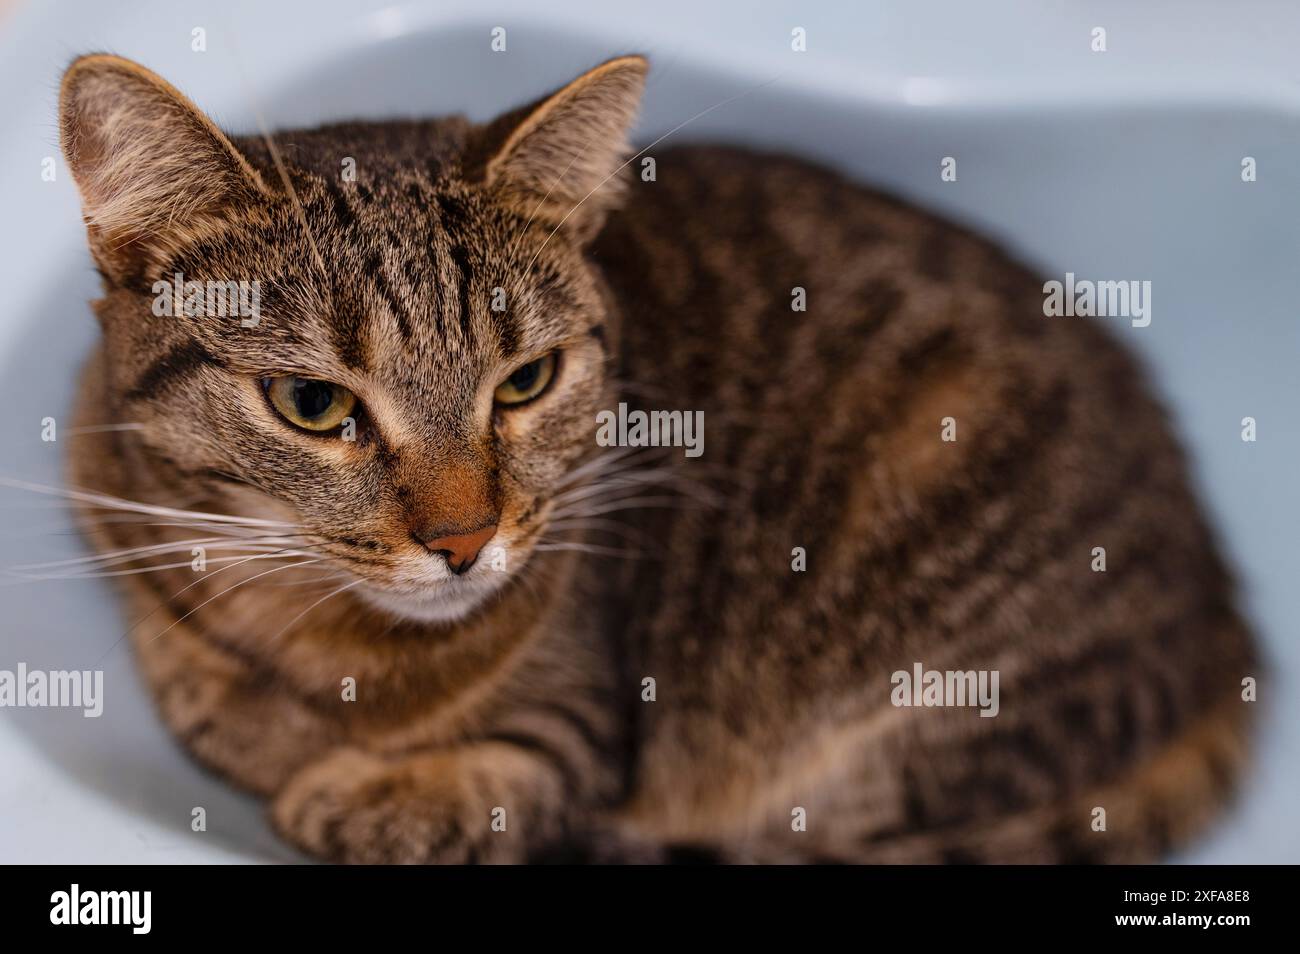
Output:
x=660 y=502
x=327 y=596
x=168 y=602
x=117 y=503
x=135 y=571
x=595 y=548
x=101 y=428
x=110 y=557
x=235 y=586
x=598 y=525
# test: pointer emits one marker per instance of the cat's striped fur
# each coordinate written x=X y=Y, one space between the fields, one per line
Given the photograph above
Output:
x=1119 y=689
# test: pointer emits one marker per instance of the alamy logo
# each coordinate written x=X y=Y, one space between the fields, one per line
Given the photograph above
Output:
x=175 y=297
x=56 y=689
x=1088 y=299
x=626 y=428
x=103 y=907
x=933 y=687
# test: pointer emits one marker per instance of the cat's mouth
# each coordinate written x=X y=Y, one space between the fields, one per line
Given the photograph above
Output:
x=443 y=602
x=415 y=594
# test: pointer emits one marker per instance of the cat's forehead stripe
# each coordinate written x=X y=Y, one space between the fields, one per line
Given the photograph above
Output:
x=342 y=211
x=351 y=321
x=465 y=277
x=455 y=224
x=375 y=269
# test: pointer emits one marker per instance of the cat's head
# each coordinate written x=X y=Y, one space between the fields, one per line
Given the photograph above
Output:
x=396 y=340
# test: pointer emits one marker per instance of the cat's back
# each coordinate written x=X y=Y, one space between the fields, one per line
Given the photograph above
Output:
x=918 y=465
x=847 y=325
x=882 y=381
x=780 y=256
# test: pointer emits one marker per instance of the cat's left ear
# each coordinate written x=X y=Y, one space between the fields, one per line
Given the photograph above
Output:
x=558 y=159
x=152 y=169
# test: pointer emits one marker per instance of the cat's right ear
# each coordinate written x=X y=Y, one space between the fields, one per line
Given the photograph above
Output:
x=558 y=159
x=151 y=168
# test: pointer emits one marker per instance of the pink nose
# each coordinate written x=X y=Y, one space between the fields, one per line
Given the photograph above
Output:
x=460 y=549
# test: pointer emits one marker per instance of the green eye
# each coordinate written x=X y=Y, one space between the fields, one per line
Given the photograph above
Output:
x=312 y=405
x=527 y=382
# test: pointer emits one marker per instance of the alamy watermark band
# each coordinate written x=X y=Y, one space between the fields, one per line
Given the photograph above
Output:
x=54 y=689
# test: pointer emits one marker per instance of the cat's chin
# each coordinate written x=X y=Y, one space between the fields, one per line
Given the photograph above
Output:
x=444 y=604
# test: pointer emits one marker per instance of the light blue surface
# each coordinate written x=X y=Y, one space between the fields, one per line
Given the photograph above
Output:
x=1120 y=165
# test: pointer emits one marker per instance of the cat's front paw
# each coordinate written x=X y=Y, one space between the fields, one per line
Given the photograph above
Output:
x=356 y=807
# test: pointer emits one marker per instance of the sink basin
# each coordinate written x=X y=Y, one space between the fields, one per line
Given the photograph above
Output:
x=1122 y=165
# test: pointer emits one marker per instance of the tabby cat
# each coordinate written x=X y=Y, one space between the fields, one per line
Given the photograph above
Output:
x=431 y=619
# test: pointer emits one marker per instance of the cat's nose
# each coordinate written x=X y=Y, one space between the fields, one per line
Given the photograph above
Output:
x=459 y=549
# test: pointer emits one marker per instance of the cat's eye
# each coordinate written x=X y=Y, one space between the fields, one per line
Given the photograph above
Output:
x=312 y=405
x=527 y=382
